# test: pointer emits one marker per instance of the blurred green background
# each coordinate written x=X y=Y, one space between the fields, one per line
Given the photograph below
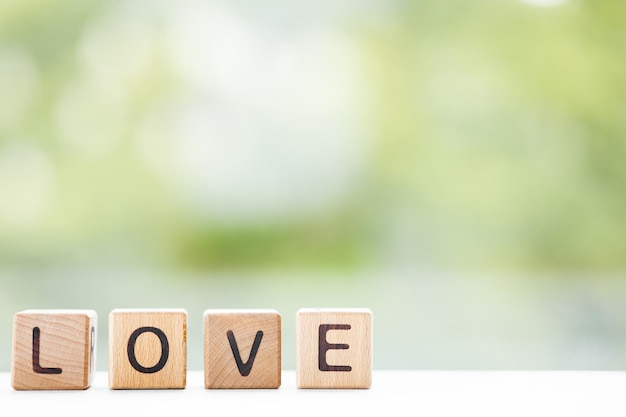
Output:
x=458 y=167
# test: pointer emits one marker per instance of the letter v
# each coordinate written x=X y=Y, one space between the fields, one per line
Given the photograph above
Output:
x=244 y=368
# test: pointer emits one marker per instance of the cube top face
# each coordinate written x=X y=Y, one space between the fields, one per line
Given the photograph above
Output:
x=334 y=348
x=147 y=348
x=53 y=349
x=242 y=348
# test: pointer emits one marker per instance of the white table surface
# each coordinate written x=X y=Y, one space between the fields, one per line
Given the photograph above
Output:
x=411 y=393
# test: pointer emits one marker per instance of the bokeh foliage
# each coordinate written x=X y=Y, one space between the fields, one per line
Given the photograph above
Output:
x=493 y=135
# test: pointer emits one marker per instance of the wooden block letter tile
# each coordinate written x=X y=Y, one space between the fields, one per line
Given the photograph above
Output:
x=147 y=349
x=334 y=348
x=242 y=349
x=53 y=349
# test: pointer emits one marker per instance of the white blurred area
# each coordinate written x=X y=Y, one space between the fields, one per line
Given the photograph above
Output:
x=262 y=120
x=250 y=116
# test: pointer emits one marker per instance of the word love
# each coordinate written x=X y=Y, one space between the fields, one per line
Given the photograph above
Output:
x=56 y=349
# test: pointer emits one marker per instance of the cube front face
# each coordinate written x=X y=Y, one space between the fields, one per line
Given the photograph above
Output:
x=242 y=349
x=53 y=349
x=147 y=349
x=334 y=348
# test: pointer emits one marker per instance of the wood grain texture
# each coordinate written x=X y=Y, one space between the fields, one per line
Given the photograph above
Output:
x=53 y=349
x=147 y=349
x=333 y=348
x=242 y=349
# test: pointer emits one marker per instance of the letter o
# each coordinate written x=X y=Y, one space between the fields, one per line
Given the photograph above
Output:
x=165 y=350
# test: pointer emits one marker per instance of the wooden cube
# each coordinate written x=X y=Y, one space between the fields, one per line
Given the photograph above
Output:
x=53 y=349
x=242 y=349
x=333 y=348
x=147 y=348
